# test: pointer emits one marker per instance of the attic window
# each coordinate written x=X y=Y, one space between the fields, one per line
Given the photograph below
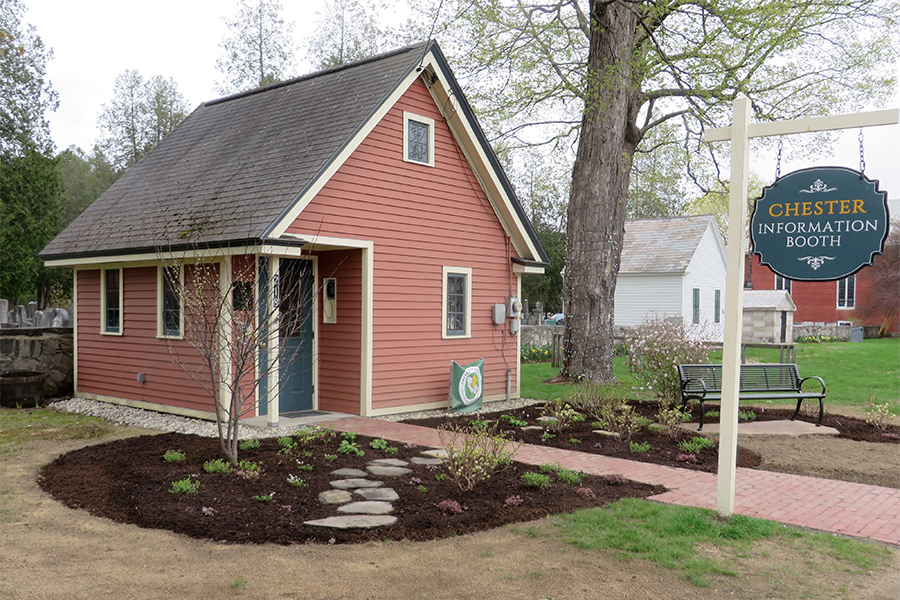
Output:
x=418 y=139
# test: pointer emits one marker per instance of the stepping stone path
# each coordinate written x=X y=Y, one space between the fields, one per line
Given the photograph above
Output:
x=373 y=510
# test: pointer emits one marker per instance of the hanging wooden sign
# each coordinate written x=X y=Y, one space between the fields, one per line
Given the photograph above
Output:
x=820 y=224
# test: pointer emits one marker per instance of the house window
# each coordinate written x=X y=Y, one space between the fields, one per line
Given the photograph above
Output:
x=112 y=301
x=457 y=309
x=717 y=315
x=418 y=139
x=171 y=317
x=846 y=292
x=696 y=308
x=782 y=283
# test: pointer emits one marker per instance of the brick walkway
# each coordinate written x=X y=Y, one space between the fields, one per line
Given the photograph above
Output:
x=841 y=507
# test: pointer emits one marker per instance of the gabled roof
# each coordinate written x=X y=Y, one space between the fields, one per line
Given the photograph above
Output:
x=768 y=299
x=663 y=245
x=237 y=168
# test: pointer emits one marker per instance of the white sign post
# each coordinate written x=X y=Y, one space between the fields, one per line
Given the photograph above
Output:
x=740 y=133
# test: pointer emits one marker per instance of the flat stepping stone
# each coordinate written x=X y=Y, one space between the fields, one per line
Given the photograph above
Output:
x=421 y=460
x=347 y=472
x=532 y=428
x=606 y=433
x=368 y=507
x=335 y=497
x=354 y=521
x=355 y=483
x=389 y=462
x=439 y=453
x=382 y=494
x=387 y=471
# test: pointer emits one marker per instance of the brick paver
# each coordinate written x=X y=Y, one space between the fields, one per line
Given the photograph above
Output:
x=842 y=507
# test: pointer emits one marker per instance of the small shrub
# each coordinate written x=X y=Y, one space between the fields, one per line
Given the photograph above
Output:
x=512 y=501
x=695 y=445
x=560 y=415
x=570 y=477
x=513 y=421
x=217 y=465
x=547 y=436
x=250 y=444
x=249 y=465
x=348 y=447
x=303 y=466
x=174 y=456
x=549 y=468
x=379 y=444
x=473 y=455
x=311 y=434
x=349 y=436
x=478 y=424
x=391 y=450
x=536 y=480
x=879 y=415
x=185 y=486
x=687 y=458
x=656 y=428
x=746 y=415
x=670 y=417
x=286 y=442
x=656 y=347
x=586 y=492
x=574 y=441
x=449 y=507
x=639 y=448
x=440 y=477
x=330 y=457
x=294 y=480
x=422 y=489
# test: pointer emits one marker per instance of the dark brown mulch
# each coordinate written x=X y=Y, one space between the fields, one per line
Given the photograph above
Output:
x=128 y=481
x=664 y=449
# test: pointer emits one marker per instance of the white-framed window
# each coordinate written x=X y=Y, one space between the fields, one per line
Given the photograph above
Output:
x=111 y=300
x=846 y=292
x=695 y=312
x=418 y=139
x=170 y=316
x=717 y=314
x=782 y=283
x=457 y=305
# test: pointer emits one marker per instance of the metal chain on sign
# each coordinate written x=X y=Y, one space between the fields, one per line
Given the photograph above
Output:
x=862 y=158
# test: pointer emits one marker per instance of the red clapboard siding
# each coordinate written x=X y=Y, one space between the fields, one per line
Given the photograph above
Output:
x=420 y=219
x=109 y=364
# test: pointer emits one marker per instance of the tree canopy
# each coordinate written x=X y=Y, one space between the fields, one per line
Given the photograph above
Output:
x=258 y=49
x=140 y=114
x=609 y=72
x=346 y=31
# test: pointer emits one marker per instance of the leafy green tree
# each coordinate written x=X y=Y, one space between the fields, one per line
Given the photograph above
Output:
x=26 y=95
x=84 y=179
x=547 y=288
x=140 y=114
x=29 y=181
x=30 y=186
x=658 y=172
x=346 y=31
x=258 y=49
x=610 y=71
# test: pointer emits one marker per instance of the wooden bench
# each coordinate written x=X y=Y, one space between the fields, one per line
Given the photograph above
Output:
x=758 y=382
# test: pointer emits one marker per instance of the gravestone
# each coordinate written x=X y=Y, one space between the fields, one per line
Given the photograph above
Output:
x=4 y=310
x=31 y=309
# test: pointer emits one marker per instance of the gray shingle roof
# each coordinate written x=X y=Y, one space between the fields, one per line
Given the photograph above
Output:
x=662 y=245
x=235 y=164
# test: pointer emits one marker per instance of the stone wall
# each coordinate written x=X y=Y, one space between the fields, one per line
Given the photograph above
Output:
x=841 y=332
x=44 y=349
x=539 y=335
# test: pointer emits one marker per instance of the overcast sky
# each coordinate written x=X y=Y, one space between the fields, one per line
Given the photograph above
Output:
x=94 y=41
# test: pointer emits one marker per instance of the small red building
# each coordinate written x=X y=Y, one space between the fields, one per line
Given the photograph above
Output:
x=372 y=179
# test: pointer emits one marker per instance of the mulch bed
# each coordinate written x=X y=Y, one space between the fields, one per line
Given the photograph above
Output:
x=128 y=481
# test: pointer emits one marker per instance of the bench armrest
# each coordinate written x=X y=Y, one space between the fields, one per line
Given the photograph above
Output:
x=685 y=382
x=819 y=379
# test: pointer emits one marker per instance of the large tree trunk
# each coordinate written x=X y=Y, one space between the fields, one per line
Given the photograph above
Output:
x=597 y=203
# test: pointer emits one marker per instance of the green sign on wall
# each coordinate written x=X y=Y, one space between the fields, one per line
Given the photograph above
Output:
x=819 y=224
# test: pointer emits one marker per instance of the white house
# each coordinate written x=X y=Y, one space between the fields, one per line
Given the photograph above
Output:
x=673 y=268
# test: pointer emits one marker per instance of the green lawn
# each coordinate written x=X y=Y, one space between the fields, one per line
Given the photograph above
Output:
x=852 y=372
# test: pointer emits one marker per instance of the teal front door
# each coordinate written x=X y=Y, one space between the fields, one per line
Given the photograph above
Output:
x=296 y=333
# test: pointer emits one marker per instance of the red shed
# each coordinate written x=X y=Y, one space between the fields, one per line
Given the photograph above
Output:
x=375 y=179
